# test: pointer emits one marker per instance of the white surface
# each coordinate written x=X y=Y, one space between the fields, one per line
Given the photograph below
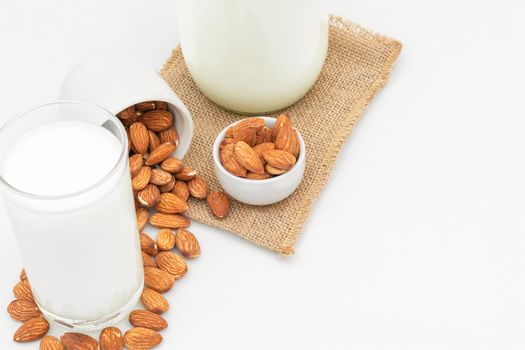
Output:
x=418 y=240
x=260 y=192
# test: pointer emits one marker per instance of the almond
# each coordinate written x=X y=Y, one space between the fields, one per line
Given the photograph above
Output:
x=111 y=338
x=172 y=264
x=169 y=220
x=187 y=244
x=141 y=180
x=287 y=139
x=154 y=141
x=186 y=174
x=50 y=343
x=160 y=153
x=247 y=134
x=23 y=310
x=248 y=158
x=281 y=119
x=168 y=187
x=219 y=204
x=226 y=153
x=149 y=196
x=169 y=136
x=154 y=301
x=229 y=133
x=142 y=218
x=171 y=204
x=32 y=330
x=181 y=190
x=161 y=105
x=265 y=135
x=254 y=176
x=263 y=147
x=139 y=137
x=234 y=167
x=165 y=239
x=157 y=120
x=279 y=159
x=198 y=187
x=227 y=141
x=79 y=341
x=160 y=177
x=22 y=291
x=147 y=319
x=135 y=164
x=147 y=244
x=254 y=122
x=158 y=279
x=147 y=260
x=172 y=165
x=129 y=140
x=145 y=106
x=140 y=338
x=127 y=116
x=273 y=171
x=23 y=275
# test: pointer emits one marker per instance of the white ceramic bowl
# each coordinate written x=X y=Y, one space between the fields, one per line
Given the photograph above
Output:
x=259 y=192
x=116 y=79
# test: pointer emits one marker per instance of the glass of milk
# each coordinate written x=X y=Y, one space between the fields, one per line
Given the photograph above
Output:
x=253 y=56
x=65 y=181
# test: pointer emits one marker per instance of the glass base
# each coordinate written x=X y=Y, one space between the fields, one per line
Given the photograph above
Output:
x=93 y=325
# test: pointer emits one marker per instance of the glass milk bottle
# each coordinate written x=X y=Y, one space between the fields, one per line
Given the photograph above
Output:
x=253 y=56
x=65 y=180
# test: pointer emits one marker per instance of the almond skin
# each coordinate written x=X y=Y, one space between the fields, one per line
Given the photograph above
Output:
x=145 y=106
x=168 y=187
x=169 y=220
x=273 y=171
x=281 y=119
x=161 y=153
x=234 y=167
x=263 y=147
x=158 y=280
x=147 y=244
x=254 y=176
x=147 y=319
x=157 y=120
x=181 y=190
x=139 y=137
x=172 y=165
x=140 y=338
x=172 y=264
x=154 y=301
x=50 y=343
x=171 y=204
x=170 y=135
x=248 y=158
x=23 y=310
x=23 y=275
x=245 y=133
x=160 y=177
x=187 y=244
x=254 y=122
x=226 y=153
x=165 y=239
x=78 y=341
x=198 y=187
x=147 y=260
x=22 y=291
x=279 y=159
x=32 y=330
x=161 y=105
x=265 y=135
x=136 y=162
x=219 y=204
x=154 y=141
x=111 y=338
x=186 y=174
x=141 y=180
x=149 y=196
x=142 y=218
x=127 y=116
x=287 y=139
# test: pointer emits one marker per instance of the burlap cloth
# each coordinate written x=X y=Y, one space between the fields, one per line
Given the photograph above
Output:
x=357 y=66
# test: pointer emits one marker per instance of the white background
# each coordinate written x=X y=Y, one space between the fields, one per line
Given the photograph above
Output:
x=418 y=240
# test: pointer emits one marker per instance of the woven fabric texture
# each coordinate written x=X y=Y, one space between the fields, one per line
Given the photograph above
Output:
x=357 y=66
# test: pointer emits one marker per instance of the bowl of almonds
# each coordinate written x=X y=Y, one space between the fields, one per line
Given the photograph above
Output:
x=260 y=160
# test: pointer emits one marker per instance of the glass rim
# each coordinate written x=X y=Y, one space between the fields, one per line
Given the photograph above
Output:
x=123 y=153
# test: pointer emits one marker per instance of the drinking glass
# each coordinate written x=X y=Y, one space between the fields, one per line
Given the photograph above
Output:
x=81 y=250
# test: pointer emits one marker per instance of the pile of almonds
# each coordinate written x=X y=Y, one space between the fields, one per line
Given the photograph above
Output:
x=160 y=183
x=254 y=151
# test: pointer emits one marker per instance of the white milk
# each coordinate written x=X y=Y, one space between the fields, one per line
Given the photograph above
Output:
x=254 y=55
x=81 y=252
